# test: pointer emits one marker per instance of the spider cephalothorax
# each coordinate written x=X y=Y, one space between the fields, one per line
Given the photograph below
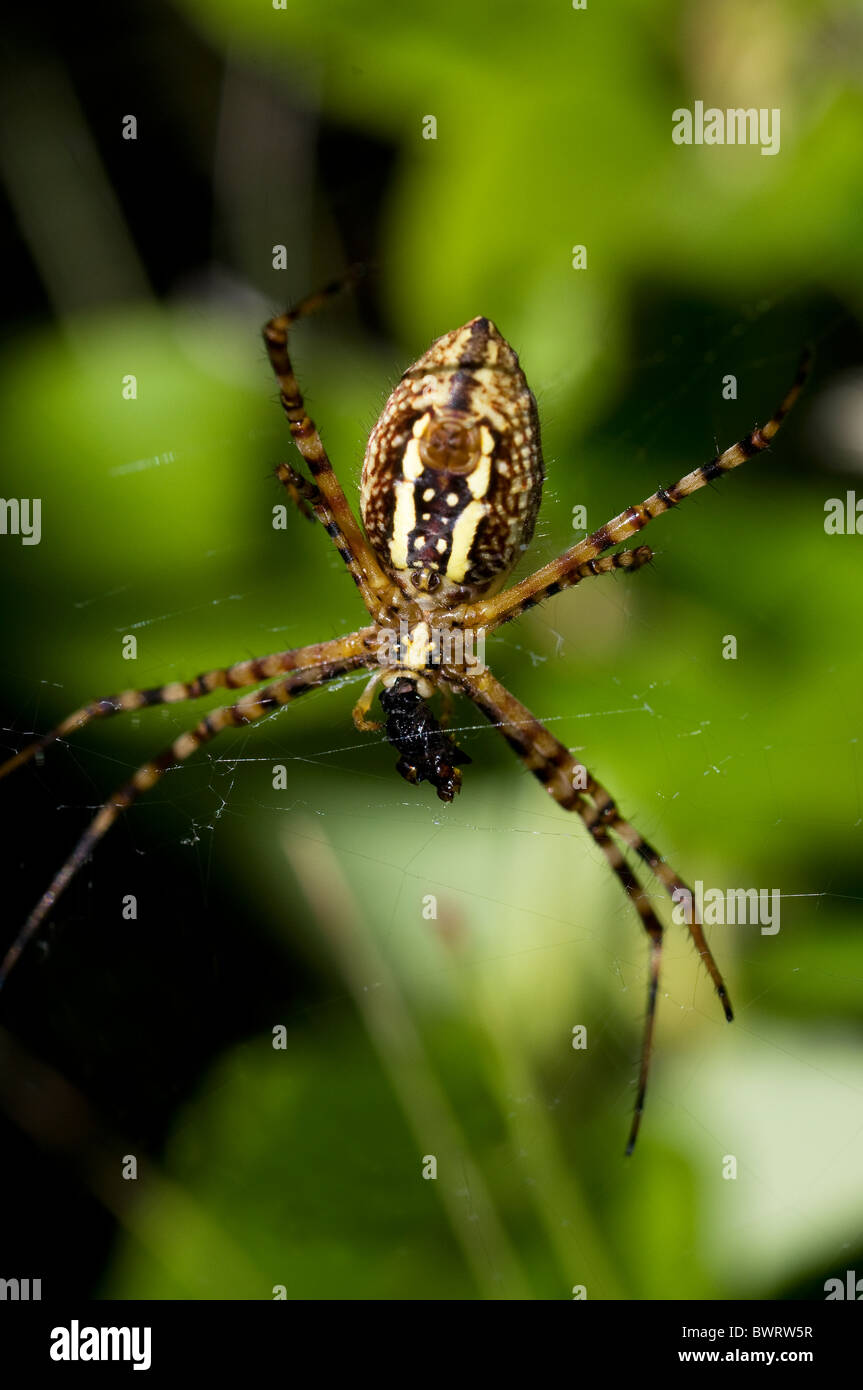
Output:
x=451 y=485
x=453 y=470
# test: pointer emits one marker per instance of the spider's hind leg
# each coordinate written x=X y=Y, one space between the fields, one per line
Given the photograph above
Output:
x=573 y=788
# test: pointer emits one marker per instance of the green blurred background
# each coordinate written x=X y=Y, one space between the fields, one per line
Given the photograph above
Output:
x=410 y=1036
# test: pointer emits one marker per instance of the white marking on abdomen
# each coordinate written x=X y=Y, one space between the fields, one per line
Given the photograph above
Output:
x=404 y=522
x=463 y=534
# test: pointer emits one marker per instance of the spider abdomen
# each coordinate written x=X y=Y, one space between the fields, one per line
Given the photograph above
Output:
x=453 y=471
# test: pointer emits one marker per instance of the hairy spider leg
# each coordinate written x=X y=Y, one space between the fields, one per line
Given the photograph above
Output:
x=574 y=789
x=239 y=676
x=248 y=710
x=377 y=591
x=565 y=571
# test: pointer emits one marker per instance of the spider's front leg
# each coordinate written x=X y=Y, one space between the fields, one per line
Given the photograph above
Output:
x=248 y=710
x=569 y=568
x=324 y=495
x=318 y=656
x=574 y=789
x=311 y=503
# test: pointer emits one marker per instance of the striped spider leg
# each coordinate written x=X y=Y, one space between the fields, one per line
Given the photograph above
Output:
x=333 y=659
x=240 y=676
x=574 y=789
x=324 y=497
x=559 y=574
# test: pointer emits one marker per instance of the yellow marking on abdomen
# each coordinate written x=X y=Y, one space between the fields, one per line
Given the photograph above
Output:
x=463 y=534
x=404 y=522
x=412 y=465
x=478 y=480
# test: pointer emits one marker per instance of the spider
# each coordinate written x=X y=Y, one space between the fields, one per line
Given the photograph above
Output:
x=451 y=484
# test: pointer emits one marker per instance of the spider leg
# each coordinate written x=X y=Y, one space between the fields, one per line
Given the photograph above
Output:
x=565 y=571
x=248 y=710
x=320 y=655
x=362 y=708
x=378 y=592
x=304 y=495
x=573 y=788
x=471 y=615
x=312 y=504
x=654 y=929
